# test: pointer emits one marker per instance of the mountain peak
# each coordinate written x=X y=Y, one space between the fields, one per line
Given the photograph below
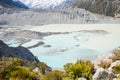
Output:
x=46 y=4
x=37 y=4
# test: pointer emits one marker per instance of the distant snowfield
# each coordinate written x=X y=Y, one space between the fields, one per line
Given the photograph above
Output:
x=80 y=43
x=45 y=4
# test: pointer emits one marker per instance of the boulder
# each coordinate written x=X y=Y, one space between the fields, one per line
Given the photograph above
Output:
x=102 y=74
x=82 y=78
x=115 y=79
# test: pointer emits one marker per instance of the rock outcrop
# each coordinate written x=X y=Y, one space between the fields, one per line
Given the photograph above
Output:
x=19 y=52
x=102 y=74
x=108 y=72
x=82 y=78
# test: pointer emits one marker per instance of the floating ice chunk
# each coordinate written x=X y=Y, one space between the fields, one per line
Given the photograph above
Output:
x=31 y=43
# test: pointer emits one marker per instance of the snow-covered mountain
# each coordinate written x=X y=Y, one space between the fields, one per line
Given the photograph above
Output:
x=46 y=4
x=12 y=4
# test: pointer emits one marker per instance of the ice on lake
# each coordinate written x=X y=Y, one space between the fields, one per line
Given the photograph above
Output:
x=31 y=43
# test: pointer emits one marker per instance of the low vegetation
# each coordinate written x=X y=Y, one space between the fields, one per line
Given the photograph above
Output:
x=42 y=67
x=53 y=75
x=18 y=73
x=116 y=55
x=17 y=69
x=104 y=64
x=79 y=69
x=116 y=69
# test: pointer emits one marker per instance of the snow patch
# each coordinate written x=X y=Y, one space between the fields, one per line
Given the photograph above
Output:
x=45 y=4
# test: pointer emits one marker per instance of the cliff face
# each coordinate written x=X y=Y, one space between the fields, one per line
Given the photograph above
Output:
x=19 y=52
x=105 y=7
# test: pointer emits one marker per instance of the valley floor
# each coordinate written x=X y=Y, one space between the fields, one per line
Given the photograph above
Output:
x=62 y=43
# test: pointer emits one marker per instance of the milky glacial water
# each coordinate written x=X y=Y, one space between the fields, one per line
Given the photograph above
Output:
x=1 y=32
x=67 y=48
x=13 y=43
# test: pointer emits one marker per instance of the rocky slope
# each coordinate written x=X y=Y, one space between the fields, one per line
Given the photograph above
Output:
x=59 y=16
x=12 y=4
x=105 y=7
x=107 y=67
x=19 y=52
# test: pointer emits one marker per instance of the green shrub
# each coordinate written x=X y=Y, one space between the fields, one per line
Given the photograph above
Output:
x=81 y=69
x=42 y=67
x=16 y=69
x=53 y=75
x=18 y=73
x=116 y=69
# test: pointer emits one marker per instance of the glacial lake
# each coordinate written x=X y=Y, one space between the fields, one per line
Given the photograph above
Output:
x=74 y=42
x=60 y=49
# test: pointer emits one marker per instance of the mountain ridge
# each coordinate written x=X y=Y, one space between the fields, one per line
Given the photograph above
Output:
x=37 y=4
x=19 y=52
x=12 y=4
x=104 y=7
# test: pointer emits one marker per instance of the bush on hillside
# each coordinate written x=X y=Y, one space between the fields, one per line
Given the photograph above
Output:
x=18 y=73
x=81 y=69
x=116 y=69
x=53 y=75
x=42 y=67
x=104 y=64
x=116 y=55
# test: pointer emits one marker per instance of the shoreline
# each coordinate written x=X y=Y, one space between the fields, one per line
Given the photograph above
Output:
x=112 y=28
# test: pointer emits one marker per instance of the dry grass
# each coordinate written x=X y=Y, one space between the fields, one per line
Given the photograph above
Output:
x=116 y=55
x=105 y=64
